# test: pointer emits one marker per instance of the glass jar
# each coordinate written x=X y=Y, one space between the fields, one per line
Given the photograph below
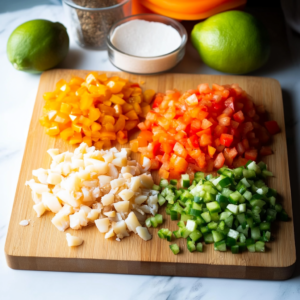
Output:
x=90 y=20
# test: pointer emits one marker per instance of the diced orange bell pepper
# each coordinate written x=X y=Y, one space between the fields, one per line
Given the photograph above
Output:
x=211 y=151
x=137 y=108
x=66 y=108
x=95 y=108
x=122 y=137
x=117 y=100
x=142 y=141
x=99 y=145
x=109 y=127
x=86 y=102
x=131 y=115
x=94 y=114
x=130 y=124
x=106 y=144
x=163 y=174
x=96 y=127
x=127 y=107
x=87 y=140
x=107 y=119
x=53 y=130
x=67 y=133
x=86 y=131
x=76 y=138
x=76 y=127
x=134 y=144
x=149 y=95
x=118 y=110
x=115 y=86
x=120 y=124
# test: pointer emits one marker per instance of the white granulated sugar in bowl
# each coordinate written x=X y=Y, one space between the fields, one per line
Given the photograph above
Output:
x=146 y=39
x=146 y=47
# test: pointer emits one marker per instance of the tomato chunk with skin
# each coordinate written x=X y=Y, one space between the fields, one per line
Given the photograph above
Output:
x=219 y=161
x=239 y=116
x=251 y=154
x=272 y=127
x=226 y=139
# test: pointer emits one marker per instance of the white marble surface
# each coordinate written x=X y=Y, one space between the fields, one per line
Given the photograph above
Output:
x=17 y=95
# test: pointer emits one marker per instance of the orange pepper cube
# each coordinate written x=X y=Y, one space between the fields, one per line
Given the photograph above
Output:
x=67 y=133
x=137 y=108
x=76 y=138
x=118 y=110
x=86 y=102
x=96 y=127
x=107 y=119
x=115 y=86
x=131 y=115
x=94 y=114
x=116 y=100
x=127 y=107
x=130 y=124
x=122 y=137
x=65 y=108
x=134 y=144
x=99 y=145
x=76 y=128
x=91 y=79
x=149 y=95
x=87 y=140
x=120 y=124
x=109 y=127
x=52 y=131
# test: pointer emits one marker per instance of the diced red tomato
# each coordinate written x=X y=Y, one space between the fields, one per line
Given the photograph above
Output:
x=206 y=124
x=180 y=165
x=180 y=150
x=272 y=127
x=226 y=139
x=167 y=147
x=154 y=164
x=193 y=141
x=239 y=116
x=251 y=154
x=240 y=148
x=163 y=173
x=174 y=175
x=222 y=126
x=219 y=161
x=205 y=140
x=264 y=151
x=205 y=131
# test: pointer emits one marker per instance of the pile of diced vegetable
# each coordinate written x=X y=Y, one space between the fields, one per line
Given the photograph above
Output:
x=234 y=210
x=204 y=129
x=96 y=110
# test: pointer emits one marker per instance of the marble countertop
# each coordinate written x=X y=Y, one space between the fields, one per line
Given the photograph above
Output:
x=17 y=96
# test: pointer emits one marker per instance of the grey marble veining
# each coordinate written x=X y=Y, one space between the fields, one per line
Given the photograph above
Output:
x=17 y=96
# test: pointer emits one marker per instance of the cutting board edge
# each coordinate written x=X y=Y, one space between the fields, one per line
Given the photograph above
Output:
x=148 y=268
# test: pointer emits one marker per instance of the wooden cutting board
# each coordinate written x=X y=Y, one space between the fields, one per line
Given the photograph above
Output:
x=40 y=246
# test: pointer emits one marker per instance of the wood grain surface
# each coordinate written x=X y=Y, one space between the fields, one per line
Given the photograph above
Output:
x=40 y=246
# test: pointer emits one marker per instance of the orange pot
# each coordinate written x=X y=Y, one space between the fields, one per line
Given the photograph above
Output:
x=186 y=10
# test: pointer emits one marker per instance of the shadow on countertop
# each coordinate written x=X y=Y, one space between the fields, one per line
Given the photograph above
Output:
x=9 y=6
x=293 y=155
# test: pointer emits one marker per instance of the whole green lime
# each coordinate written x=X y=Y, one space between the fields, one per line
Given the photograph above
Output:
x=232 y=42
x=37 y=45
